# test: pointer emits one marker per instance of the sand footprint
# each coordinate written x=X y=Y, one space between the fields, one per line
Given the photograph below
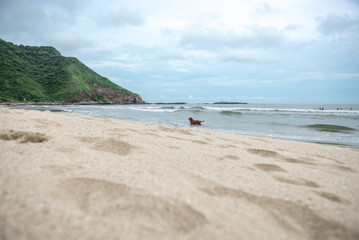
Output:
x=23 y=137
x=125 y=205
x=289 y=215
x=269 y=167
x=46 y=123
x=299 y=161
x=302 y=182
x=110 y=145
x=172 y=129
x=298 y=182
x=331 y=197
x=273 y=154
x=232 y=157
x=200 y=142
x=344 y=169
x=262 y=152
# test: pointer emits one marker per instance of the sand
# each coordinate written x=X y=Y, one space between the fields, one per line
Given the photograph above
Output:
x=66 y=176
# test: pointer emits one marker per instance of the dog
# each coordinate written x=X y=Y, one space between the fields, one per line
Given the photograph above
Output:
x=195 y=122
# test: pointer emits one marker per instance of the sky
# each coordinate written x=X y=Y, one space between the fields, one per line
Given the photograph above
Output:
x=199 y=51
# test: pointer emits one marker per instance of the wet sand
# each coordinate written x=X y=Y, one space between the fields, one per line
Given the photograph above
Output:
x=66 y=176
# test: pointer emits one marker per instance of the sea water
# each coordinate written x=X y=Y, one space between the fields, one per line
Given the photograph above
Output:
x=336 y=124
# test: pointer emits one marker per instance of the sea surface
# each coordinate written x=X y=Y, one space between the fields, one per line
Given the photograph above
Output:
x=298 y=122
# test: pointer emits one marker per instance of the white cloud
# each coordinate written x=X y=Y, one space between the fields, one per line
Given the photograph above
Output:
x=334 y=24
x=118 y=17
x=70 y=43
x=124 y=66
x=248 y=57
x=293 y=27
x=167 y=54
x=264 y=8
x=262 y=37
x=22 y=16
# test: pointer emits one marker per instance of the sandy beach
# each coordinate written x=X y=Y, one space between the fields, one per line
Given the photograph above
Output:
x=66 y=176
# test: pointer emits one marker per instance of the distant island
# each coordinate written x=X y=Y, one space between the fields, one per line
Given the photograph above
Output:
x=230 y=103
x=43 y=75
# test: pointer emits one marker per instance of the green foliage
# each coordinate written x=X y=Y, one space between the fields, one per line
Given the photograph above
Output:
x=42 y=74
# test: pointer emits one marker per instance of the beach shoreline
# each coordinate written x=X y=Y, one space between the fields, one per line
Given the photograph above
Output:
x=65 y=175
x=283 y=121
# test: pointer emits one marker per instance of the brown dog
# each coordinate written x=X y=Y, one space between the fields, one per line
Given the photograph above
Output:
x=195 y=122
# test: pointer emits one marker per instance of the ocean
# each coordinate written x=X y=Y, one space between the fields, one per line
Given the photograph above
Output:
x=336 y=124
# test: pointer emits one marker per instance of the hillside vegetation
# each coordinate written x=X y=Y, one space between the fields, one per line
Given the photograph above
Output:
x=42 y=74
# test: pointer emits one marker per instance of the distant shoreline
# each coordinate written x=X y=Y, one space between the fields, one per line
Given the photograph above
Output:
x=82 y=103
x=97 y=103
x=60 y=103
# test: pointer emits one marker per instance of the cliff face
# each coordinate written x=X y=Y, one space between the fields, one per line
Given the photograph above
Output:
x=41 y=74
x=109 y=95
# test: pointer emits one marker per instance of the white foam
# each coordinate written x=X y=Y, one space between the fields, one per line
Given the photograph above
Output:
x=297 y=110
x=152 y=109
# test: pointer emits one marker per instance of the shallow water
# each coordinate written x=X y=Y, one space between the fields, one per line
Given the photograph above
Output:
x=299 y=122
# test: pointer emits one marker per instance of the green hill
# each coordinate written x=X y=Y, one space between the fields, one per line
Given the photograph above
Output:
x=42 y=74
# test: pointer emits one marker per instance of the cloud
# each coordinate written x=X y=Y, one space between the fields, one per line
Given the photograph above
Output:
x=334 y=25
x=247 y=57
x=204 y=39
x=69 y=43
x=21 y=16
x=264 y=8
x=126 y=66
x=356 y=2
x=65 y=24
x=263 y=37
x=167 y=54
x=257 y=37
x=68 y=5
x=41 y=22
x=118 y=17
x=293 y=27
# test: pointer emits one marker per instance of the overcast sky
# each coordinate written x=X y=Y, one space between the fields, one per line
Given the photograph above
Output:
x=274 y=51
